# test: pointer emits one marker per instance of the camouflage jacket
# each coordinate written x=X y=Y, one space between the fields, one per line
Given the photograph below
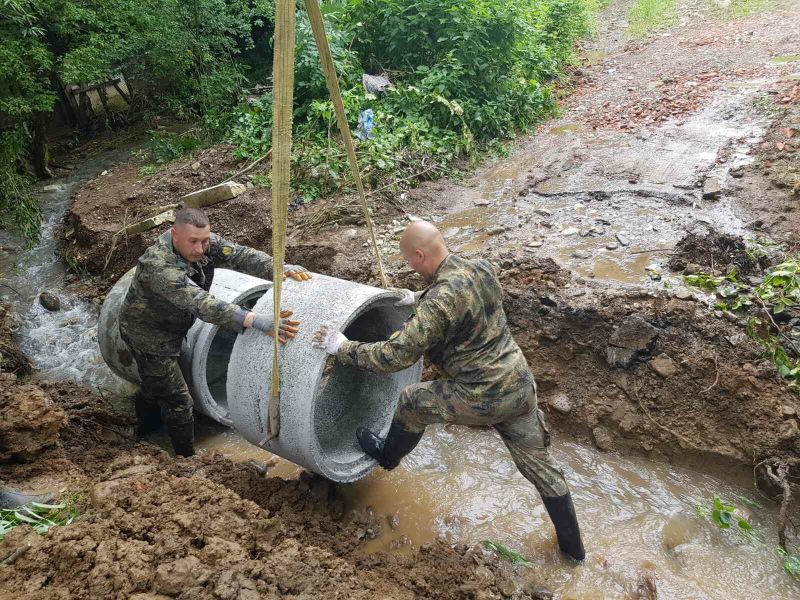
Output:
x=167 y=293
x=461 y=326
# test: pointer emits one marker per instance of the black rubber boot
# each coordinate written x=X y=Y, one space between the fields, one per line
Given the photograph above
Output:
x=13 y=499
x=389 y=452
x=182 y=437
x=148 y=415
x=562 y=513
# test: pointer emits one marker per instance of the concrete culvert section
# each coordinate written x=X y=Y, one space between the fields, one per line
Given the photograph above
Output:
x=205 y=355
x=322 y=401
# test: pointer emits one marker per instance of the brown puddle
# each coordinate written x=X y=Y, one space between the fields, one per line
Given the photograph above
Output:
x=639 y=518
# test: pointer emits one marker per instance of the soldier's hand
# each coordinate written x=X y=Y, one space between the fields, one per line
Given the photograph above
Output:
x=407 y=297
x=287 y=328
x=296 y=272
x=328 y=339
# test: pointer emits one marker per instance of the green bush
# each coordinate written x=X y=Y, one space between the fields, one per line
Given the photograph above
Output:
x=464 y=73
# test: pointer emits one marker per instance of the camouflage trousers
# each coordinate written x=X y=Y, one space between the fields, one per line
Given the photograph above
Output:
x=515 y=417
x=162 y=384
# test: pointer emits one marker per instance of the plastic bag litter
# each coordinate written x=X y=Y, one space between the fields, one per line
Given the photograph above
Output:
x=366 y=121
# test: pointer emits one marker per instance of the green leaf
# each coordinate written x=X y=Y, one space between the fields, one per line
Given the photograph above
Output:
x=743 y=524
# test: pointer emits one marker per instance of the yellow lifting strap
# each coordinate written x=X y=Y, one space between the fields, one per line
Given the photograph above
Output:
x=282 y=104
x=282 y=101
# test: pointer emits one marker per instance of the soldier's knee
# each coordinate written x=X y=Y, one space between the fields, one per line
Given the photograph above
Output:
x=407 y=398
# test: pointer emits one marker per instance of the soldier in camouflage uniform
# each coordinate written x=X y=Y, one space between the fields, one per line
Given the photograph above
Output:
x=168 y=292
x=461 y=326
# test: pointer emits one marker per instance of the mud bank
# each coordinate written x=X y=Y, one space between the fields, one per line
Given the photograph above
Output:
x=153 y=526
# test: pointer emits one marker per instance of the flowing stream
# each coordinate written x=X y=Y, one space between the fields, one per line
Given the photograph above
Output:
x=640 y=518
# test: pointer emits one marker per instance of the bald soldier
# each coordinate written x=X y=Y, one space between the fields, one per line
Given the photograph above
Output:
x=170 y=289
x=459 y=323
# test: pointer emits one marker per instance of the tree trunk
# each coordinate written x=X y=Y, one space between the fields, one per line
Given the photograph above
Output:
x=40 y=153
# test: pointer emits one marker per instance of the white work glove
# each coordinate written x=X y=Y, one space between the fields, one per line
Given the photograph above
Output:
x=296 y=272
x=287 y=328
x=328 y=339
x=408 y=298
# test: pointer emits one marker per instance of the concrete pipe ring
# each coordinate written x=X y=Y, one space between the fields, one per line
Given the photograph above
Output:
x=207 y=351
x=322 y=401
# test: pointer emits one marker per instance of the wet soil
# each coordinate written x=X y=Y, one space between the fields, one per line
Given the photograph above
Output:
x=120 y=196
x=153 y=526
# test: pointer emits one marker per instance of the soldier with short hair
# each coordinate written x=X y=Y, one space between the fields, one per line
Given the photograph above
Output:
x=170 y=289
x=461 y=326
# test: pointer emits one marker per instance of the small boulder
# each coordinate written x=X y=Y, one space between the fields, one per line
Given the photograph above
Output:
x=632 y=341
x=561 y=403
x=663 y=366
x=50 y=301
x=602 y=438
x=712 y=189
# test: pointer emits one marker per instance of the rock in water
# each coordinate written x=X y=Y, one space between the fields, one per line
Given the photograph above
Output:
x=50 y=301
x=602 y=438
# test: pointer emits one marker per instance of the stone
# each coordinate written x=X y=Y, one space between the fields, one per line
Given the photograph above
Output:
x=497 y=230
x=196 y=165
x=53 y=188
x=789 y=431
x=213 y=195
x=50 y=301
x=537 y=244
x=612 y=246
x=482 y=203
x=684 y=295
x=693 y=269
x=537 y=593
x=569 y=231
x=602 y=438
x=663 y=366
x=582 y=254
x=633 y=340
x=712 y=189
x=788 y=411
x=561 y=403
x=543 y=212
x=623 y=241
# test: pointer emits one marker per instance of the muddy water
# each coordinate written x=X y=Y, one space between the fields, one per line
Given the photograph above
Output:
x=639 y=517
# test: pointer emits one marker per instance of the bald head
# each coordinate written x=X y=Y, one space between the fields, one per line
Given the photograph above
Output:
x=423 y=247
